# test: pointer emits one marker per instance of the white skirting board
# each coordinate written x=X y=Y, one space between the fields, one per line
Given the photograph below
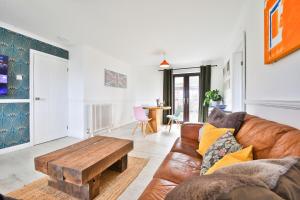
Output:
x=15 y=148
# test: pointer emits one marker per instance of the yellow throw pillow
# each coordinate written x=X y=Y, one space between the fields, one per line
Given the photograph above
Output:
x=209 y=135
x=243 y=155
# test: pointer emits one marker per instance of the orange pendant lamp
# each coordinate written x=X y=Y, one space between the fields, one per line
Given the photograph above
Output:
x=164 y=64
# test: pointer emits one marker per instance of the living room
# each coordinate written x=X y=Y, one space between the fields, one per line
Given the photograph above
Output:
x=118 y=100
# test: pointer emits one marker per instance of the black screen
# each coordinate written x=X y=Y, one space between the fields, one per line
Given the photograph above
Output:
x=3 y=74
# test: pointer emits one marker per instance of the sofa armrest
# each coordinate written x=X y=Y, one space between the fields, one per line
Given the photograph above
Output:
x=190 y=130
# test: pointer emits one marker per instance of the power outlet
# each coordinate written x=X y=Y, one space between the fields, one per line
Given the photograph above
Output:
x=19 y=77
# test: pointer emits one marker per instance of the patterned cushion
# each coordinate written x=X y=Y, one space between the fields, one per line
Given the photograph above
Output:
x=224 y=145
x=209 y=136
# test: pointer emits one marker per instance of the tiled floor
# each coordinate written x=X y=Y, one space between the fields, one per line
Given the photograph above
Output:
x=17 y=168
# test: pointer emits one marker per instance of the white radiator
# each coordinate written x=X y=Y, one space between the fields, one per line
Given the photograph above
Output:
x=98 y=117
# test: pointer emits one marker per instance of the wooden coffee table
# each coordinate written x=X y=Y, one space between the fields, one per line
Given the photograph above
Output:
x=76 y=169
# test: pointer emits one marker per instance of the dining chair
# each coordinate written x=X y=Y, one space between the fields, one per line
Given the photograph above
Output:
x=142 y=119
x=174 y=118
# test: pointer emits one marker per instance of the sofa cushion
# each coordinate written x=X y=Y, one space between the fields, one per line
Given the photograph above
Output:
x=178 y=166
x=224 y=145
x=210 y=136
x=157 y=189
x=221 y=120
x=232 y=158
x=269 y=139
x=186 y=146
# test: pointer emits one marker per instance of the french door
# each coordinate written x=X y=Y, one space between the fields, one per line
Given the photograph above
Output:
x=186 y=96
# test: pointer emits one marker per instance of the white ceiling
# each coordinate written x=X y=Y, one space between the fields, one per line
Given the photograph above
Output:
x=135 y=31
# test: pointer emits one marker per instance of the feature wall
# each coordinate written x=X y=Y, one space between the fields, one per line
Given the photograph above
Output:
x=14 y=116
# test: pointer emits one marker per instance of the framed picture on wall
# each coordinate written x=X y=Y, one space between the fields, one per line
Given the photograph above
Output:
x=110 y=78
x=226 y=76
x=114 y=79
x=122 y=81
x=282 y=32
x=228 y=68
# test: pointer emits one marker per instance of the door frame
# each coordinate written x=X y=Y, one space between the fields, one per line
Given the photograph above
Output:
x=241 y=49
x=31 y=88
x=186 y=109
x=244 y=71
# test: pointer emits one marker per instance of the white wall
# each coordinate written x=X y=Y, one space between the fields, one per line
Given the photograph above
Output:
x=76 y=93
x=122 y=99
x=217 y=79
x=148 y=85
x=272 y=90
x=87 y=66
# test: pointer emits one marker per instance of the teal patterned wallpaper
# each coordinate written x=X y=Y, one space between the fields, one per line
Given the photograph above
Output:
x=14 y=124
x=14 y=117
x=17 y=47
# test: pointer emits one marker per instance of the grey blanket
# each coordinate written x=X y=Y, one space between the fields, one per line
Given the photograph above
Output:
x=262 y=173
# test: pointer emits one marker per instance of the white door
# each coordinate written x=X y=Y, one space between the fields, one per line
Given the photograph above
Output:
x=50 y=97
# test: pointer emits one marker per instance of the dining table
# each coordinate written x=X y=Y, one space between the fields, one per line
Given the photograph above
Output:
x=155 y=115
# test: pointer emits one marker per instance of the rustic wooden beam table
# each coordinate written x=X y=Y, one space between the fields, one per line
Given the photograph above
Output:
x=76 y=169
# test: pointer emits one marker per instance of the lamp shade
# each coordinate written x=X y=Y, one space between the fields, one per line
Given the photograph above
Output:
x=164 y=64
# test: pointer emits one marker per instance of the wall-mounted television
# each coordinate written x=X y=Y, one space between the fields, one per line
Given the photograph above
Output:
x=3 y=75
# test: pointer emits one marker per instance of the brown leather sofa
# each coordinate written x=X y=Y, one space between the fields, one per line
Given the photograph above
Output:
x=269 y=139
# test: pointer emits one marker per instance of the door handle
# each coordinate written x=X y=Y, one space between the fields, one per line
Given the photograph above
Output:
x=38 y=99
x=186 y=100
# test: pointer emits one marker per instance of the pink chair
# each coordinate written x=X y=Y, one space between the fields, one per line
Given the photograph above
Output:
x=143 y=120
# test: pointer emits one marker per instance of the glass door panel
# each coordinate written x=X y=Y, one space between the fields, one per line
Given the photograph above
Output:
x=186 y=97
x=193 y=99
x=179 y=97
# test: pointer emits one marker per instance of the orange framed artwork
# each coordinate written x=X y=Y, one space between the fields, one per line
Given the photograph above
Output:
x=282 y=28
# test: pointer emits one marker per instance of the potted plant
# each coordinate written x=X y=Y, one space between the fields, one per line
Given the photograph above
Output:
x=212 y=98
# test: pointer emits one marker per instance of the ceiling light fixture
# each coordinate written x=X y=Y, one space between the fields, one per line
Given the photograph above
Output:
x=164 y=64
